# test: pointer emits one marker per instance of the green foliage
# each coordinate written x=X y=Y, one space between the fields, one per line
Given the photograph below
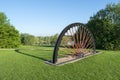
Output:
x=27 y=39
x=105 y=26
x=3 y=19
x=47 y=40
x=9 y=36
x=53 y=39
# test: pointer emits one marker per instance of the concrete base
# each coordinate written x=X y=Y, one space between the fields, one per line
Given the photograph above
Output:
x=69 y=59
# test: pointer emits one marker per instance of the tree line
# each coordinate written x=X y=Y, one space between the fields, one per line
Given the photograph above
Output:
x=28 y=39
x=105 y=26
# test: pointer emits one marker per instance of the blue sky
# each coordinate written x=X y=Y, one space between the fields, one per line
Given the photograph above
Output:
x=47 y=17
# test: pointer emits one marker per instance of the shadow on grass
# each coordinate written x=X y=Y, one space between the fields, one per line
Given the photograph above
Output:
x=18 y=51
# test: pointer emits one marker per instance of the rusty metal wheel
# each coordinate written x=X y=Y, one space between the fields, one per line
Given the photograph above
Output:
x=75 y=40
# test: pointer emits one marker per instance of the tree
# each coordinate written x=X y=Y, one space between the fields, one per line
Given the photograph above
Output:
x=3 y=19
x=9 y=36
x=65 y=40
x=27 y=39
x=53 y=39
x=105 y=26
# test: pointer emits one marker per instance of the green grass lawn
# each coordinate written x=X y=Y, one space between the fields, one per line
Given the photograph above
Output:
x=28 y=64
